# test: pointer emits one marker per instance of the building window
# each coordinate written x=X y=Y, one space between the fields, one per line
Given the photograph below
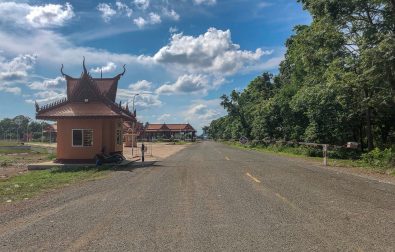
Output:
x=82 y=137
x=119 y=137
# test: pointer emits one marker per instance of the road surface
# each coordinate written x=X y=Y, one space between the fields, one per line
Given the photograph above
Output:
x=209 y=197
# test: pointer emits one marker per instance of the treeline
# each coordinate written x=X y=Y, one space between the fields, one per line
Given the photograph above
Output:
x=335 y=85
x=18 y=127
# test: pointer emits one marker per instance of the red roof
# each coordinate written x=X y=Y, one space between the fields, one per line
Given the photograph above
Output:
x=87 y=97
x=169 y=127
x=91 y=109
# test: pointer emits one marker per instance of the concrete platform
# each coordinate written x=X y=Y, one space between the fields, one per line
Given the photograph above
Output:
x=51 y=164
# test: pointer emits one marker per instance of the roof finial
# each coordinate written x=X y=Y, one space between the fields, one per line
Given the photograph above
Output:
x=121 y=74
x=83 y=65
x=124 y=70
x=61 y=70
x=36 y=105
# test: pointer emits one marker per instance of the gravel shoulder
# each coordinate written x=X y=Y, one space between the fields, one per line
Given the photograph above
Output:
x=209 y=197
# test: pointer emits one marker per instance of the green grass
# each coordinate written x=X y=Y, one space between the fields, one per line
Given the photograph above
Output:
x=8 y=143
x=297 y=153
x=34 y=182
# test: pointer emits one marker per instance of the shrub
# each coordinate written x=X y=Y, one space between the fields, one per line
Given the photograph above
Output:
x=379 y=158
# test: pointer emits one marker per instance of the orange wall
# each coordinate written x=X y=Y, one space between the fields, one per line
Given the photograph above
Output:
x=104 y=134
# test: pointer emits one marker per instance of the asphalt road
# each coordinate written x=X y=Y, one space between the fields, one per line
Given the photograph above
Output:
x=209 y=197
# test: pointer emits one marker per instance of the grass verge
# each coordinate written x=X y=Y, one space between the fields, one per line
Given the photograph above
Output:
x=34 y=182
x=293 y=152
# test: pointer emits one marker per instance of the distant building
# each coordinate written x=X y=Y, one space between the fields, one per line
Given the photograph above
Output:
x=88 y=119
x=51 y=132
x=169 y=131
x=132 y=131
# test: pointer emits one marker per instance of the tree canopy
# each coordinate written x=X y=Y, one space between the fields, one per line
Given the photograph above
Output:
x=336 y=83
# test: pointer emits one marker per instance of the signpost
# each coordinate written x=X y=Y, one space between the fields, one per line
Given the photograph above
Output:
x=243 y=140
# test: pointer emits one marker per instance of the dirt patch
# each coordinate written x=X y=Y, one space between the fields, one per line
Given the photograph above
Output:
x=16 y=163
x=155 y=151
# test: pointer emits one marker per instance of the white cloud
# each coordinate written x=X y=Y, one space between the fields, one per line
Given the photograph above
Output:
x=15 y=71
x=50 y=15
x=12 y=90
x=47 y=84
x=201 y=112
x=55 y=49
x=140 y=22
x=186 y=84
x=27 y=16
x=212 y=52
x=163 y=118
x=142 y=4
x=17 y=68
x=109 y=67
x=208 y=2
x=107 y=12
x=172 y=14
x=141 y=86
x=173 y=29
x=47 y=96
x=143 y=101
x=124 y=8
x=152 y=19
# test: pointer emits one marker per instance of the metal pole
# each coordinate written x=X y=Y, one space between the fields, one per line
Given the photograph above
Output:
x=42 y=132
x=134 y=97
x=132 y=144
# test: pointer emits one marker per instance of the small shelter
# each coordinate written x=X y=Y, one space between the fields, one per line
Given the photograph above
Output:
x=89 y=121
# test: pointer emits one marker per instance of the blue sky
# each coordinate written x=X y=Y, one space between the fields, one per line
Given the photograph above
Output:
x=180 y=55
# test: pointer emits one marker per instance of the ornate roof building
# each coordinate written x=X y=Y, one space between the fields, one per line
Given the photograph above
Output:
x=181 y=131
x=88 y=119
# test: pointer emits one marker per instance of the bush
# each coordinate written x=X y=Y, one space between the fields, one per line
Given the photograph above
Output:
x=343 y=153
x=378 y=158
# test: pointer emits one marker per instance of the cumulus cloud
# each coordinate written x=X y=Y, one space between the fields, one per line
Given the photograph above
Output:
x=141 y=86
x=109 y=67
x=152 y=19
x=172 y=14
x=12 y=90
x=107 y=12
x=44 y=16
x=211 y=52
x=17 y=68
x=47 y=96
x=208 y=2
x=173 y=29
x=143 y=101
x=142 y=4
x=163 y=118
x=47 y=84
x=186 y=84
x=201 y=112
x=124 y=8
x=50 y=15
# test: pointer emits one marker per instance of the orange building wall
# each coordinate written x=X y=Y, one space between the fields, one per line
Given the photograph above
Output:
x=104 y=134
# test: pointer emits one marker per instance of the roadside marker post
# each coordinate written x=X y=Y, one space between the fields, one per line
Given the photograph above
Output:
x=325 y=153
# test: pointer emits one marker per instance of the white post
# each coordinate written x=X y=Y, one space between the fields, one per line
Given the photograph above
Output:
x=325 y=153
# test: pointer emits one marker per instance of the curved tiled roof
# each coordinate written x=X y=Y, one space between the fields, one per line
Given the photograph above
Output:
x=87 y=97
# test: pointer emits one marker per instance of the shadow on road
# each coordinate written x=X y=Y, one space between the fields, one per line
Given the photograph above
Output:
x=107 y=167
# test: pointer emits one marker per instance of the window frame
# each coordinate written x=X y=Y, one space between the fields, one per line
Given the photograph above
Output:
x=82 y=139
